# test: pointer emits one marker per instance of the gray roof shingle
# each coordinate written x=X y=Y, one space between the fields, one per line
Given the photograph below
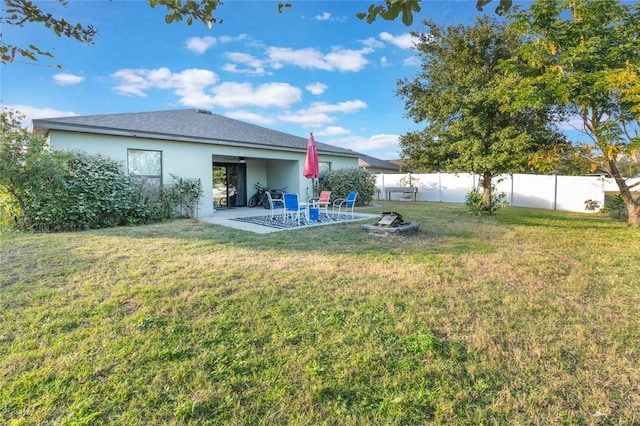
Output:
x=188 y=125
x=373 y=162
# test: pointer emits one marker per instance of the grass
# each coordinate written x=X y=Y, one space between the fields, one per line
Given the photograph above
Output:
x=527 y=317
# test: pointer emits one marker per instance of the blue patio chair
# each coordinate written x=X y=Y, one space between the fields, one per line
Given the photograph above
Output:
x=274 y=204
x=346 y=203
x=292 y=207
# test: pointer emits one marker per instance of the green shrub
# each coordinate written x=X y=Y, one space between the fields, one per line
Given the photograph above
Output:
x=51 y=191
x=153 y=203
x=185 y=194
x=341 y=182
x=615 y=207
x=473 y=201
x=591 y=205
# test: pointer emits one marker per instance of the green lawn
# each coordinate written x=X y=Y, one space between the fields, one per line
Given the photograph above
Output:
x=528 y=317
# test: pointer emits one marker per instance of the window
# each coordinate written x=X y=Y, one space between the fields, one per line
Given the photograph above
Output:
x=325 y=167
x=146 y=165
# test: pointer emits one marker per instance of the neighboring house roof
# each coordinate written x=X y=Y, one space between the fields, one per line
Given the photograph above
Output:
x=368 y=162
x=403 y=164
x=188 y=125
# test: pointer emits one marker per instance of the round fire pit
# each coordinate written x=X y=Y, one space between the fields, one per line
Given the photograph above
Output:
x=391 y=223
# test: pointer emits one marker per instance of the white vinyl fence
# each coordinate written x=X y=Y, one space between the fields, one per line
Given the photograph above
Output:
x=550 y=192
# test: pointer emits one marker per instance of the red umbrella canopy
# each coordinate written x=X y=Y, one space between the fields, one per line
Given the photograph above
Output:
x=311 y=166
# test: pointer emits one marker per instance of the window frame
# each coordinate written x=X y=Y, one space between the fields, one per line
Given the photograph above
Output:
x=151 y=178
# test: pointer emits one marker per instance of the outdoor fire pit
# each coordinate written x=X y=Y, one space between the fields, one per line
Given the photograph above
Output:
x=391 y=223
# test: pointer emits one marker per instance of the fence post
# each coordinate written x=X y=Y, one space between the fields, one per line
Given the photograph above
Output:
x=511 y=195
x=555 y=191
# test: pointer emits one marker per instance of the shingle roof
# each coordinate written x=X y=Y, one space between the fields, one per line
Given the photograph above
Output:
x=373 y=162
x=188 y=125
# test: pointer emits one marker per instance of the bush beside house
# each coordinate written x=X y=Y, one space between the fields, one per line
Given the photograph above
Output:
x=341 y=182
x=49 y=191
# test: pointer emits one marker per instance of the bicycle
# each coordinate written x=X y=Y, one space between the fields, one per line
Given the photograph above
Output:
x=257 y=199
x=260 y=198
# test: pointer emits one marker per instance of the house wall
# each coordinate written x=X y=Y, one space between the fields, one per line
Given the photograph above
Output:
x=273 y=168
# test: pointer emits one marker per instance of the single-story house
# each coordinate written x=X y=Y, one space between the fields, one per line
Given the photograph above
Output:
x=376 y=165
x=227 y=155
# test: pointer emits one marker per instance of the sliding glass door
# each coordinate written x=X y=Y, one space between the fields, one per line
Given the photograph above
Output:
x=229 y=185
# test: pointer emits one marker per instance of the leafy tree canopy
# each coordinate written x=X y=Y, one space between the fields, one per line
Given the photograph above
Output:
x=583 y=56
x=390 y=10
x=456 y=94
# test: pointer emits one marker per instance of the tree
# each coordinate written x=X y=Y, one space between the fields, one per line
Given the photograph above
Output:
x=389 y=10
x=455 y=93
x=22 y=12
x=584 y=57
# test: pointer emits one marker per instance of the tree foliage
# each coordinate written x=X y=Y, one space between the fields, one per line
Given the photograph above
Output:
x=455 y=93
x=583 y=56
x=28 y=170
x=390 y=10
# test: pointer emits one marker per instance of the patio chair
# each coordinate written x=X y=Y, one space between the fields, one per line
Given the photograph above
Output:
x=292 y=207
x=274 y=204
x=322 y=202
x=345 y=203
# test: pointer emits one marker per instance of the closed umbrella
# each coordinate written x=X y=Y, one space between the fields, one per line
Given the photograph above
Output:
x=311 y=165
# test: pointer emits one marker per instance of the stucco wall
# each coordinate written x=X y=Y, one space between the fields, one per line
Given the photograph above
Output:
x=192 y=160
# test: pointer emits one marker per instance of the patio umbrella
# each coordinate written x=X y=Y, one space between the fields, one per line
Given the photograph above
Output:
x=311 y=165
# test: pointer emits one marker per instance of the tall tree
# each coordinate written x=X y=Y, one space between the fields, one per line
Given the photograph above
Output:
x=584 y=56
x=455 y=93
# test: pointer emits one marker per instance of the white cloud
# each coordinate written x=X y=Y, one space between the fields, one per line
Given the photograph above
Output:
x=230 y=95
x=320 y=113
x=65 y=79
x=338 y=59
x=250 y=116
x=256 y=66
x=195 y=87
x=316 y=88
x=333 y=131
x=229 y=39
x=31 y=113
x=403 y=41
x=573 y=123
x=372 y=43
x=326 y=16
x=384 y=61
x=368 y=145
x=347 y=59
x=200 y=44
x=412 y=61
x=307 y=119
x=189 y=84
x=346 y=107
x=323 y=17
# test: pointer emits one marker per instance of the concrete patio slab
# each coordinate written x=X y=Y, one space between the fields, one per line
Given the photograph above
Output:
x=224 y=217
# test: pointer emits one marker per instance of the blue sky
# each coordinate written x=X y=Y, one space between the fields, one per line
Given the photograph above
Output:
x=313 y=68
